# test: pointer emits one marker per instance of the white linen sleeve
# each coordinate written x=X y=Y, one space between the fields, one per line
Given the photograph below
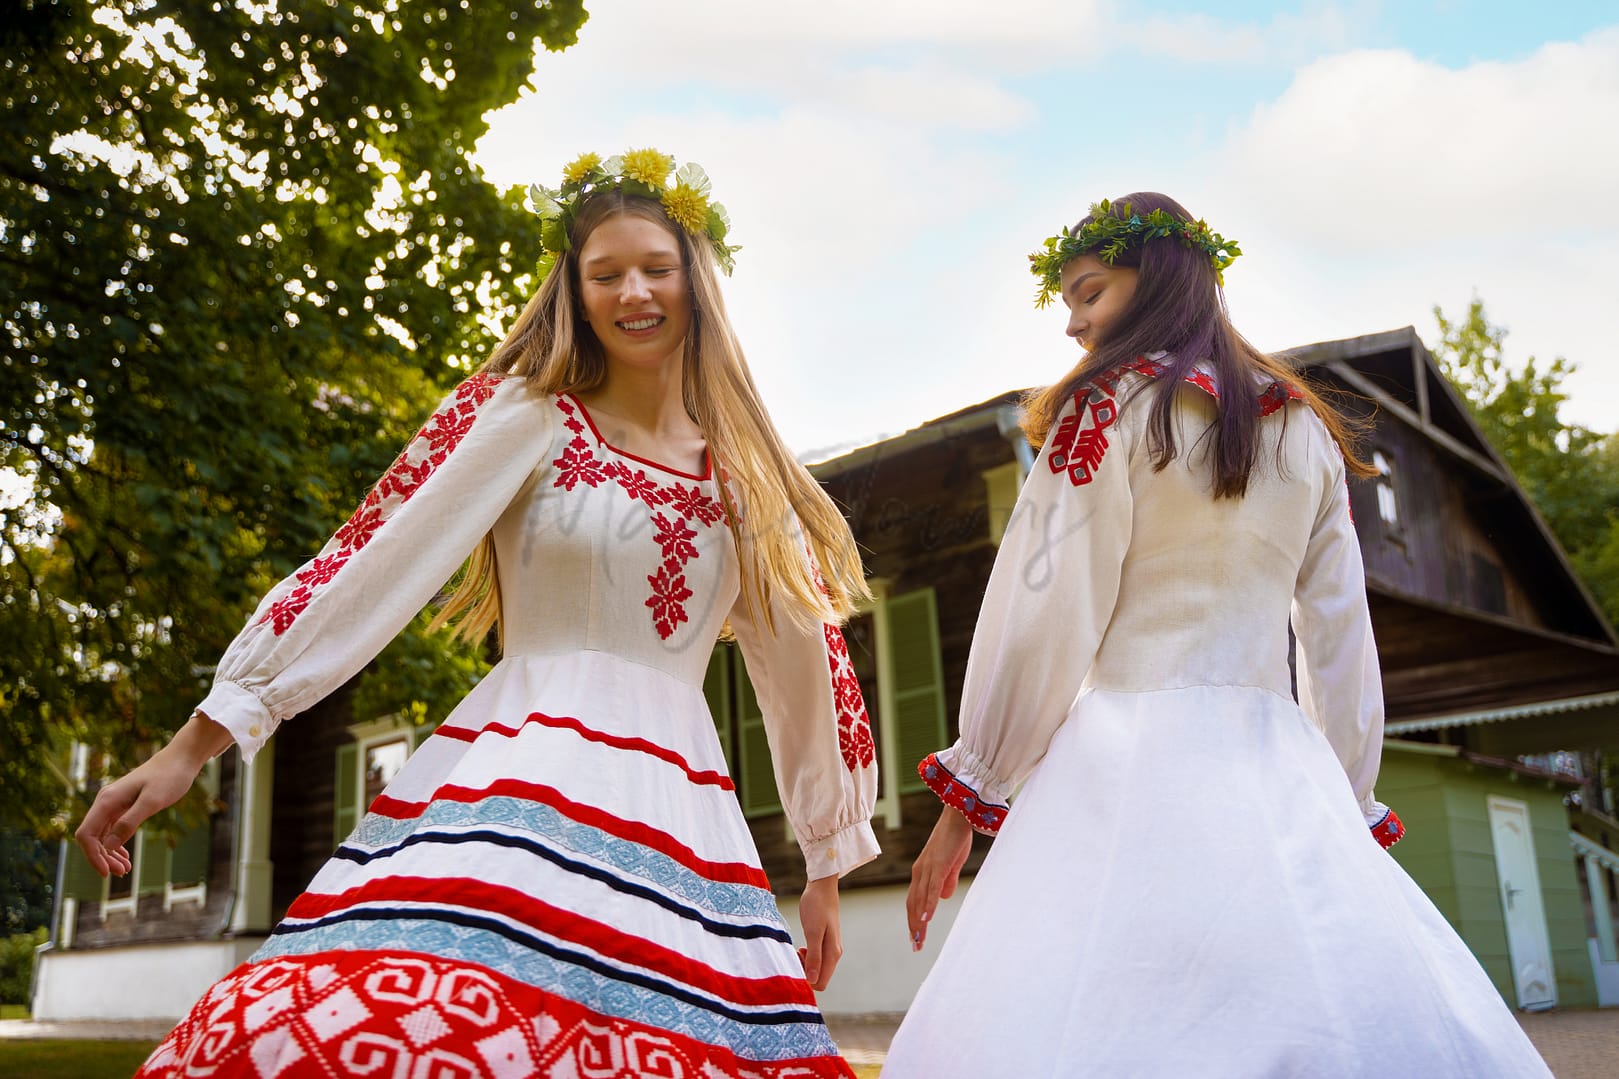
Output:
x=1051 y=595
x=1339 y=685
x=821 y=747
x=320 y=626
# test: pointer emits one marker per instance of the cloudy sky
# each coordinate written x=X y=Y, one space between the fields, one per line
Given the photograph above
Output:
x=888 y=165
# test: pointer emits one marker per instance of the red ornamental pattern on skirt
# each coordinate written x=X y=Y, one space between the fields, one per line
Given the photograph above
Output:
x=431 y=447
x=389 y=1014
x=854 y=725
x=672 y=531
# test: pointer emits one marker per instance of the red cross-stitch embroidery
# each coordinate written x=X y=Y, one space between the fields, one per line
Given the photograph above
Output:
x=692 y=502
x=1079 y=450
x=577 y=464
x=397 y=1014
x=668 y=599
x=323 y=569
x=672 y=532
x=638 y=486
x=674 y=539
x=1271 y=398
x=854 y=725
x=422 y=456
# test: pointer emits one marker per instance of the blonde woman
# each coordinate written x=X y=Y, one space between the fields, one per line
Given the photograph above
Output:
x=560 y=880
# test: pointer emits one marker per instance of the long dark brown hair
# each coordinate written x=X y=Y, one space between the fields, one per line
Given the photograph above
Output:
x=1179 y=308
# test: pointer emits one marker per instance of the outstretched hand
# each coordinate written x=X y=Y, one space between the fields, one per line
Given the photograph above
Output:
x=823 y=937
x=123 y=805
x=936 y=872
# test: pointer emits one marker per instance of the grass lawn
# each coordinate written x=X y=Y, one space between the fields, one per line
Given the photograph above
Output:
x=73 y=1060
x=13 y=1011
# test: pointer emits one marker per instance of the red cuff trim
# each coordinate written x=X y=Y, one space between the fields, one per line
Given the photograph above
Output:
x=984 y=816
x=1389 y=831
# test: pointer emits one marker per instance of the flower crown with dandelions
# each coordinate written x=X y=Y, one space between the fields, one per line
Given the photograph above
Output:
x=638 y=172
x=1109 y=233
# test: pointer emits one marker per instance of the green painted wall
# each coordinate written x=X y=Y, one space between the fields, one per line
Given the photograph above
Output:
x=1449 y=853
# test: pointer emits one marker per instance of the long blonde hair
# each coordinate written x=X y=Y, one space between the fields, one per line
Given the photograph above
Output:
x=786 y=514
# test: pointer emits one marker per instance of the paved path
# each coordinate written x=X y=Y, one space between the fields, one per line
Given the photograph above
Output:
x=1576 y=1044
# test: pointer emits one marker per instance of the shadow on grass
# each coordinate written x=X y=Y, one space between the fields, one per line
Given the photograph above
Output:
x=48 y=1059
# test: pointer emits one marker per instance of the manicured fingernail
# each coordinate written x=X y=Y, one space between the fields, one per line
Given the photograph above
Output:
x=927 y=915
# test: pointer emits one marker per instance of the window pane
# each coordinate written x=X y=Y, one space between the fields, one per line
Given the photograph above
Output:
x=382 y=763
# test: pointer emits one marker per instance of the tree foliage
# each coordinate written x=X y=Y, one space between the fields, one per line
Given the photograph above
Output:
x=1570 y=472
x=242 y=251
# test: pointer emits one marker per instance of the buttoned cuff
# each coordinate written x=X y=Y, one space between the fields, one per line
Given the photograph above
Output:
x=847 y=849
x=239 y=710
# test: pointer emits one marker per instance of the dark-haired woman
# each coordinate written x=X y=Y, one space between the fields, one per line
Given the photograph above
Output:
x=1191 y=881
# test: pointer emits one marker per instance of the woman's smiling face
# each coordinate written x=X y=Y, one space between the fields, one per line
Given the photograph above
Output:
x=633 y=286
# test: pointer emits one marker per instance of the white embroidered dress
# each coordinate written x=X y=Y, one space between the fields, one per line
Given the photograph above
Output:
x=1185 y=884
x=560 y=881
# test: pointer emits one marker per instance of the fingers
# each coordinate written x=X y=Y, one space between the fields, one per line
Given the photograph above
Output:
x=810 y=956
x=820 y=956
x=98 y=836
x=921 y=901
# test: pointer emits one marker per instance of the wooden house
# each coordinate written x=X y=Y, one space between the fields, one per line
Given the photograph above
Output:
x=1501 y=678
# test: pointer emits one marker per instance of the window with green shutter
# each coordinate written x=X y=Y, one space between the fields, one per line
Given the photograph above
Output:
x=188 y=858
x=79 y=881
x=717 y=691
x=756 y=781
x=346 y=793
x=918 y=689
x=151 y=864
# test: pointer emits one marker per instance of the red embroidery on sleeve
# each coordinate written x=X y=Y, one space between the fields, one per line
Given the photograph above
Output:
x=431 y=447
x=1389 y=831
x=854 y=724
x=984 y=817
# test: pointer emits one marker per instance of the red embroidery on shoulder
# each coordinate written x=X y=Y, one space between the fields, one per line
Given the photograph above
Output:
x=1271 y=398
x=854 y=724
x=984 y=816
x=431 y=447
x=671 y=532
x=1076 y=449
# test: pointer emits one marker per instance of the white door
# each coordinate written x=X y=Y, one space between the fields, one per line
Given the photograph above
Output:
x=1528 y=945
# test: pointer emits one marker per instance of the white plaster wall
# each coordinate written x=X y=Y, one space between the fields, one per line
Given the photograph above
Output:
x=878 y=971
x=147 y=981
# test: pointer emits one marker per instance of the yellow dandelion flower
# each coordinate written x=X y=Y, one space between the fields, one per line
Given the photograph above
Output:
x=686 y=208
x=648 y=167
x=581 y=168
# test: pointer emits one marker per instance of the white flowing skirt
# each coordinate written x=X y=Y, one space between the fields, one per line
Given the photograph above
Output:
x=1186 y=888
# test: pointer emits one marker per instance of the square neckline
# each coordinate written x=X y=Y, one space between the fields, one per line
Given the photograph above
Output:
x=708 y=458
